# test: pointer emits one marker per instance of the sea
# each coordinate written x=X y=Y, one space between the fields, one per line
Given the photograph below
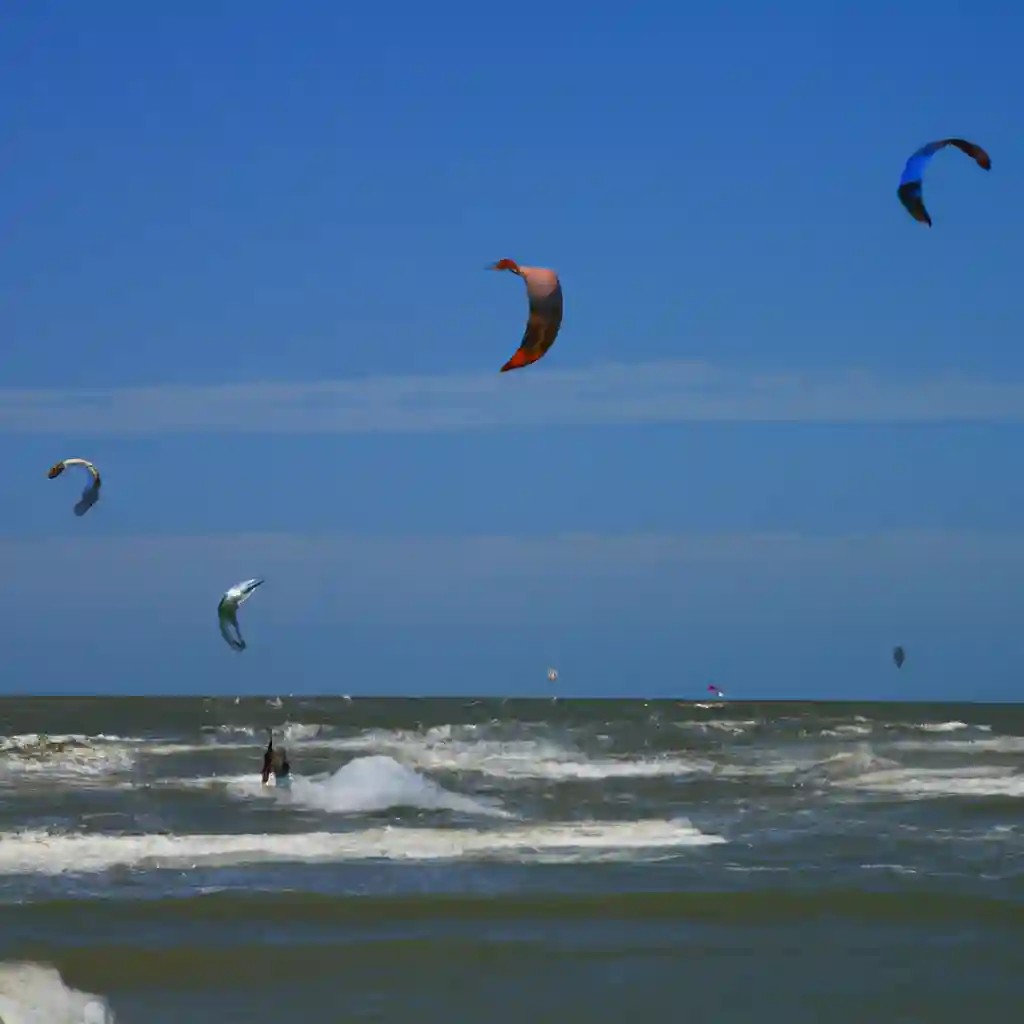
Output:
x=510 y=861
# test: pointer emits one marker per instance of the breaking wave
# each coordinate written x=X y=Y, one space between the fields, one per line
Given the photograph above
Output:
x=40 y=852
x=64 y=756
x=32 y=993
x=369 y=784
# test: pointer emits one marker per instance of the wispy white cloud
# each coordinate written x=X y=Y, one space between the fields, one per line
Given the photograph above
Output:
x=663 y=392
x=523 y=577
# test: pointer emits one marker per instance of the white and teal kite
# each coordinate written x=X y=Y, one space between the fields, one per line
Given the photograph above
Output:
x=91 y=494
x=227 y=612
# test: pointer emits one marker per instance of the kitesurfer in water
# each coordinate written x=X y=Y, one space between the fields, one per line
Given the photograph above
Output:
x=275 y=761
x=268 y=759
x=282 y=769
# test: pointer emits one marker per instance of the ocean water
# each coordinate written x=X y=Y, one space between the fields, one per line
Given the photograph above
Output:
x=510 y=861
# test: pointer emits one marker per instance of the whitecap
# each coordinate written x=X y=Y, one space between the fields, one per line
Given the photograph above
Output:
x=570 y=842
x=67 y=756
x=915 y=783
x=33 y=993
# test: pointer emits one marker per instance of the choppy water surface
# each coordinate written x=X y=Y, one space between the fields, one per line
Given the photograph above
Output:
x=526 y=860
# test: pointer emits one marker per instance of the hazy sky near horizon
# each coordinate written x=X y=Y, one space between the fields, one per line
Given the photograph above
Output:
x=779 y=432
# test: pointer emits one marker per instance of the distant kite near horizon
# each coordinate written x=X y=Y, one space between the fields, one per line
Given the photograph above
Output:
x=911 y=181
x=899 y=656
x=91 y=494
x=544 y=291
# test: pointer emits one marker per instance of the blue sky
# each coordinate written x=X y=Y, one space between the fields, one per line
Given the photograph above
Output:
x=779 y=432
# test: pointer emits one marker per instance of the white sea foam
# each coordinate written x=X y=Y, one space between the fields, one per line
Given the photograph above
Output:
x=310 y=735
x=847 y=730
x=34 y=852
x=299 y=732
x=450 y=748
x=532 y=759
x=364 y=785
x=953 y=726
x=896 y=869
x=732 y=726
x=68 y=756
x=467 y=748
x=159 y=749
x=848 y=766
x=456 y=749
x=915 y=783
x=228 y=729
x=379 y=782
x=368 y=784
x=989 y=745
x=32 y=993
x=781 y=769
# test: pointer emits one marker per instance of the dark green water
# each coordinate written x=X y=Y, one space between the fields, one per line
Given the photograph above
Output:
x=515 y=861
